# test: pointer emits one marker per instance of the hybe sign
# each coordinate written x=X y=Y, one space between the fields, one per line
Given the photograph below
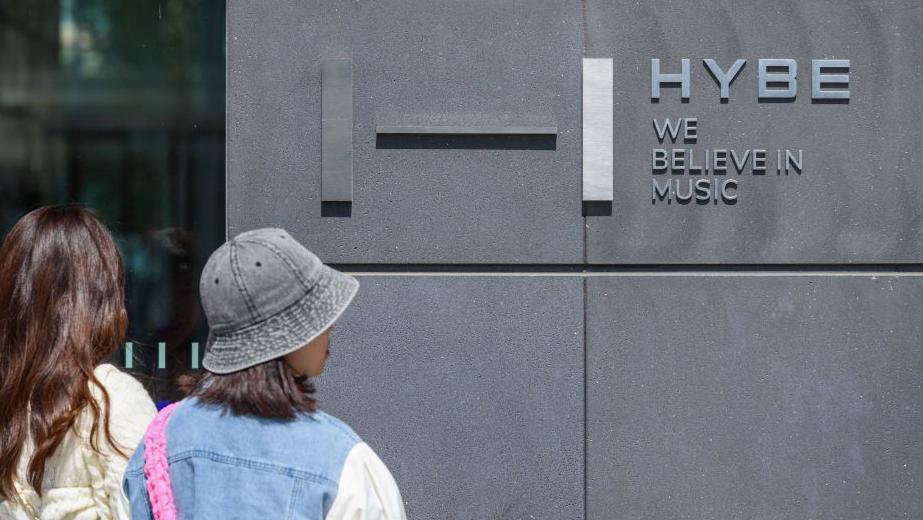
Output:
x=710 y=175
x=778 y=78
x=681 y=172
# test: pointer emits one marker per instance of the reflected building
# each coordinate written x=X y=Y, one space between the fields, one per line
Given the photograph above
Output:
x=120 y=106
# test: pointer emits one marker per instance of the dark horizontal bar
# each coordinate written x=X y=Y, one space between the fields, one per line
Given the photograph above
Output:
x=633 y=268
x=467 y=141
x=472 y=130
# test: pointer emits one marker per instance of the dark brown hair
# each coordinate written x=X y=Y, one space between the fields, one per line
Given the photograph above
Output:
x=62 y=286
x=268 y=390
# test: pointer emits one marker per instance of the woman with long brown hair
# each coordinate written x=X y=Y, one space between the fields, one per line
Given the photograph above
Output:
x=68 y=421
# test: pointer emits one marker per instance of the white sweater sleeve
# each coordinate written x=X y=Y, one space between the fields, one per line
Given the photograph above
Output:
x=367 y=490
x=132 y=411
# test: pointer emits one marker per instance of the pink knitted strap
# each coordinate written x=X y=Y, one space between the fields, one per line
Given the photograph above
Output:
x=156 y=467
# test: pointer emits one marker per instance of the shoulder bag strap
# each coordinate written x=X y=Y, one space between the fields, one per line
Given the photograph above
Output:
x=157 y=468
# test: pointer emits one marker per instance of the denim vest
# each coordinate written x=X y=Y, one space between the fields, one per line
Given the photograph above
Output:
x=225 y=466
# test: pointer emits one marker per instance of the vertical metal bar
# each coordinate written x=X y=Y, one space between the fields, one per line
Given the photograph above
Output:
x=129 y=355
x=597 y=129
x=336 y=131
x=195 y=355
x=161 y=355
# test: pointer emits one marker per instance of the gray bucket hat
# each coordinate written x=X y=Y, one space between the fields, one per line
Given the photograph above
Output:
x=264 y=296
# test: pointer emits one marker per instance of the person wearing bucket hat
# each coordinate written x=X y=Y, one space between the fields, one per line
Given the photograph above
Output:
x=248 y=440
x=265 y=296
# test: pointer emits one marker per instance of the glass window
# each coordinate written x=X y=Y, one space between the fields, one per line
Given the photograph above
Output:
x=120 y=106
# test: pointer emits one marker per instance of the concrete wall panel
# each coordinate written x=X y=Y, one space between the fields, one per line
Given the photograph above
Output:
x=419 y=199
x=470 y=389
x=857 y=200
x=771 y=397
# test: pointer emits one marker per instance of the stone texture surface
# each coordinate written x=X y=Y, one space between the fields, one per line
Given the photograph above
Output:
x=466 y=200
x=469 y=388
x=725 y=396
x=767 y=397
x=857 y=200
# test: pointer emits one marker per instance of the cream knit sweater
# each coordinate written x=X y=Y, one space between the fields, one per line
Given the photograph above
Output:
x=79 y=483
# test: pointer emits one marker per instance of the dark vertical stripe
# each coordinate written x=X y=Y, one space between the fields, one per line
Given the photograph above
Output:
x=336 y=131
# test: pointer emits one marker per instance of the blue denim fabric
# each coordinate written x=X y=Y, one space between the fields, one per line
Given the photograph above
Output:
x=226 y=467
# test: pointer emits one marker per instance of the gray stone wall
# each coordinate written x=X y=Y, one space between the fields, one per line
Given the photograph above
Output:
x=514 y=353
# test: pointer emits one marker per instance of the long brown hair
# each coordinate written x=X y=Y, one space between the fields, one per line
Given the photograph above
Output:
x=62 y=292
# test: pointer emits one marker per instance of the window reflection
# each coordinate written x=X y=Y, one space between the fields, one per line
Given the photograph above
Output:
x=120 y=106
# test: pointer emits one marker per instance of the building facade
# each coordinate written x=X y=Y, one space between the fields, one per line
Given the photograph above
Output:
x=618 y=259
